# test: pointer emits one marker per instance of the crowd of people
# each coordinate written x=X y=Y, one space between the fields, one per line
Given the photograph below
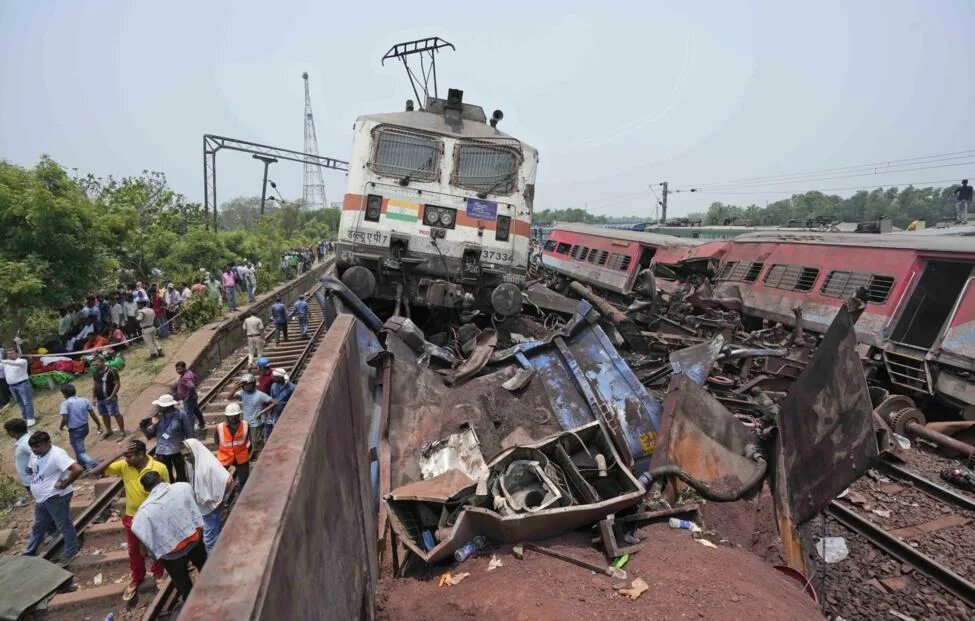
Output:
x=175 y=498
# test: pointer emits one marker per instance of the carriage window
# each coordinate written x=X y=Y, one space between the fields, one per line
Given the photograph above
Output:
x=845 y=284
x=403 y=154
x=598 y=256
x=579 y=253
x=740 y=272
x=619 y=262
x=550 y=244
x=486 y=167
x=791 y=277
x=563 y=248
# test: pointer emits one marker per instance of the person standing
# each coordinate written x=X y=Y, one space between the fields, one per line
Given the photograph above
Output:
x=281 y=390
x=51 y=474
x=301 y=312
x=170 y=426
x=230 y=286
x=279 y=313
x=64 y=325
x=75 y=412
x=117 y=311
x=185 y=391
x=129 y=465
x=264 y=375
x=158 y=304
x=18 y=382
x=255 y=405
x=172 y=300
x=16 y=428
x=147 y=322
x=170 y=525
x=233 y=442
x=213 y=288
x=963 y=198
x=247 y=276
x=4 y=389
x=254 y=329
x=131 y=323
x=105 y=388
x=211 y=484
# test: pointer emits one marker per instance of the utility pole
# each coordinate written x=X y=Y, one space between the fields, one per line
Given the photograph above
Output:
x=267 y=162
x=663 y=204
x=313 y=196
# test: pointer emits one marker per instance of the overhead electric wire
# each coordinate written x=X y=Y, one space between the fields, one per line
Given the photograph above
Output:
x=862 y=169
x=866 y=187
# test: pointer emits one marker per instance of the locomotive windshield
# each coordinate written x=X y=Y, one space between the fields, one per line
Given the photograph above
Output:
x=486 y=168
x=405 y=154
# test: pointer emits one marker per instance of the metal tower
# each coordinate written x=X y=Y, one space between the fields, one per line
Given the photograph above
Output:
x=314 y=194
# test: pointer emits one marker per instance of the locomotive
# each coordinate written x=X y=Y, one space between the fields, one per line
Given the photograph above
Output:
x=438 y=209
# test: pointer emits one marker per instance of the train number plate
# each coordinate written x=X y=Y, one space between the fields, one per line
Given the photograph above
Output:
x=371 y=238
x=495 y=255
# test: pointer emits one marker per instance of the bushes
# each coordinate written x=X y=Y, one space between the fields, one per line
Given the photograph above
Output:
x=200 y=310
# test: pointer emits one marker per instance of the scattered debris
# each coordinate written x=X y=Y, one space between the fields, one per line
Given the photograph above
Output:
x=635 y=590
x=97 y=580
x=494 y=563
x=832 y=549
x=706 y=543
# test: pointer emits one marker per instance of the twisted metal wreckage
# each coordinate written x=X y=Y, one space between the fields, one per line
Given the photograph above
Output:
x=489 y=432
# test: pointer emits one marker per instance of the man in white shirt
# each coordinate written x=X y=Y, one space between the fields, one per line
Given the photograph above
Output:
x=18 y=382
x=52 y=472
x=17 y=429
x=118 y=312
x=254 y=329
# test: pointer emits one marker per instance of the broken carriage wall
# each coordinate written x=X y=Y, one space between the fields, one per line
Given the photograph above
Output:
x=300 y=542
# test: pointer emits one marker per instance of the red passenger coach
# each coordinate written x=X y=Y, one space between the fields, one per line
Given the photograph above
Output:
x=920 y=314
x=607 y=259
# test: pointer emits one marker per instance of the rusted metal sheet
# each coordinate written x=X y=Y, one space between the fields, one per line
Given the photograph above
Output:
x=704 y=439
x=826 y=435
x=300 y=543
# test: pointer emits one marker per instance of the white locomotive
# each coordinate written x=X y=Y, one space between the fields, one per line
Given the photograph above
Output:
x=438 y=208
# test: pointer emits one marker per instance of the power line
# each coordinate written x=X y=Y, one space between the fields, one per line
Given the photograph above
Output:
x=868 y=187
x=925 y=159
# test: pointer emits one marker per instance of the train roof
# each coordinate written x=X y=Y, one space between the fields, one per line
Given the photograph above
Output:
x=433 y=123
x=907 y=241
x=637 y=236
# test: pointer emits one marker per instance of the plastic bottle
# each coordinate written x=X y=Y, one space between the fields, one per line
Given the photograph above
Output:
x=684 y=524
x=467 y=550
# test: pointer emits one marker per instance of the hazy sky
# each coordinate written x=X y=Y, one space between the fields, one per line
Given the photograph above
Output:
x=615 y=95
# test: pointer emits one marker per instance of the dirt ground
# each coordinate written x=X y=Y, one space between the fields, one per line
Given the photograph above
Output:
x=686 y=579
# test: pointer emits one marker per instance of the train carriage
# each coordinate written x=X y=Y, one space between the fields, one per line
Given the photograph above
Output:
x=438 y=210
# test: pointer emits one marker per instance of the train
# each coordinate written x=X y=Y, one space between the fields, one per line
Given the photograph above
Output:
x=918 y=326
x=438 y=209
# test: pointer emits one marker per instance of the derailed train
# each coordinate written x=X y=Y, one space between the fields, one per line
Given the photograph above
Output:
x=438 y=209
x=918 y=327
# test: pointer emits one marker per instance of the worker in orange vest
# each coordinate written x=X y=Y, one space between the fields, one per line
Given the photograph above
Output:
x=232 y=439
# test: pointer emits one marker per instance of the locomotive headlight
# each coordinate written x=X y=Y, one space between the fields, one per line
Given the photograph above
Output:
x=443 y=217
x=446 y=217
x=431 y=215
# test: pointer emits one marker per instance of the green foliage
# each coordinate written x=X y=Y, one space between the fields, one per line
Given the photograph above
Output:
x=546 y=217
x=199 y=311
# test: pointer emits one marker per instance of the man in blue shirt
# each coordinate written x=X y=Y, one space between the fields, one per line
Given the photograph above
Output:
x=281 y=390
x=279 y=313
x=301 y=312
x=75 y=412
x=255 y=404
x=170 y=426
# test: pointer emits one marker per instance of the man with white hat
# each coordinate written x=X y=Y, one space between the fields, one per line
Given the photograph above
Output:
x=281 y=390
x=170 y=426
x=254 y=403
x=233 y=442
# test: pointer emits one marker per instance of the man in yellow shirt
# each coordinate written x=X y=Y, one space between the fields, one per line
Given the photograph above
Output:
x=129 y=465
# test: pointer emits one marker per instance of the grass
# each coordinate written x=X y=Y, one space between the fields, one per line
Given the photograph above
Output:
x=138 y=374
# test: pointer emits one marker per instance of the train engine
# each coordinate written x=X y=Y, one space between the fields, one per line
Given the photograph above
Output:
x=438 y=209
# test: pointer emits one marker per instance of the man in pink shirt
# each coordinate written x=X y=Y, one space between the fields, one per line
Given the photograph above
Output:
x=230 y=285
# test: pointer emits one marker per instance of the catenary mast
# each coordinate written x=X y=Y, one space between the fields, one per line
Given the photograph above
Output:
x=314 y=186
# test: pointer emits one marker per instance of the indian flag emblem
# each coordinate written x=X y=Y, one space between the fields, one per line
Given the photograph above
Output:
x=402 y=210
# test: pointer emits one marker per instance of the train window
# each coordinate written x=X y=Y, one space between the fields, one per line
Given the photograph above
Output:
x=845 y=284
x=579 y=253
x=503 y=228
x=791 y=277
x=488 y=168
x=740 y=272
x=598 y=256
x=550 y=245
x=619 y=262
x=399 y=153
x=563 y=248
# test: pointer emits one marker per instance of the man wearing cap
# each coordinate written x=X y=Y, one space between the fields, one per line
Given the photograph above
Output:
x=254 y=403
x=147 y=323
x=170 y=426
x=264 y=375
x=129 y=465
x=254 y=329
x=281 y=391
x=301 y=312
x=233 y=442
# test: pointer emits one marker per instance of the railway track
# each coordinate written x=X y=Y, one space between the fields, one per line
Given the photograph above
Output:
x=101 y=569
x=912 y=548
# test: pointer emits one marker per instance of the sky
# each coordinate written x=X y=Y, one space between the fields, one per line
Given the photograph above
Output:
x=616 y=96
